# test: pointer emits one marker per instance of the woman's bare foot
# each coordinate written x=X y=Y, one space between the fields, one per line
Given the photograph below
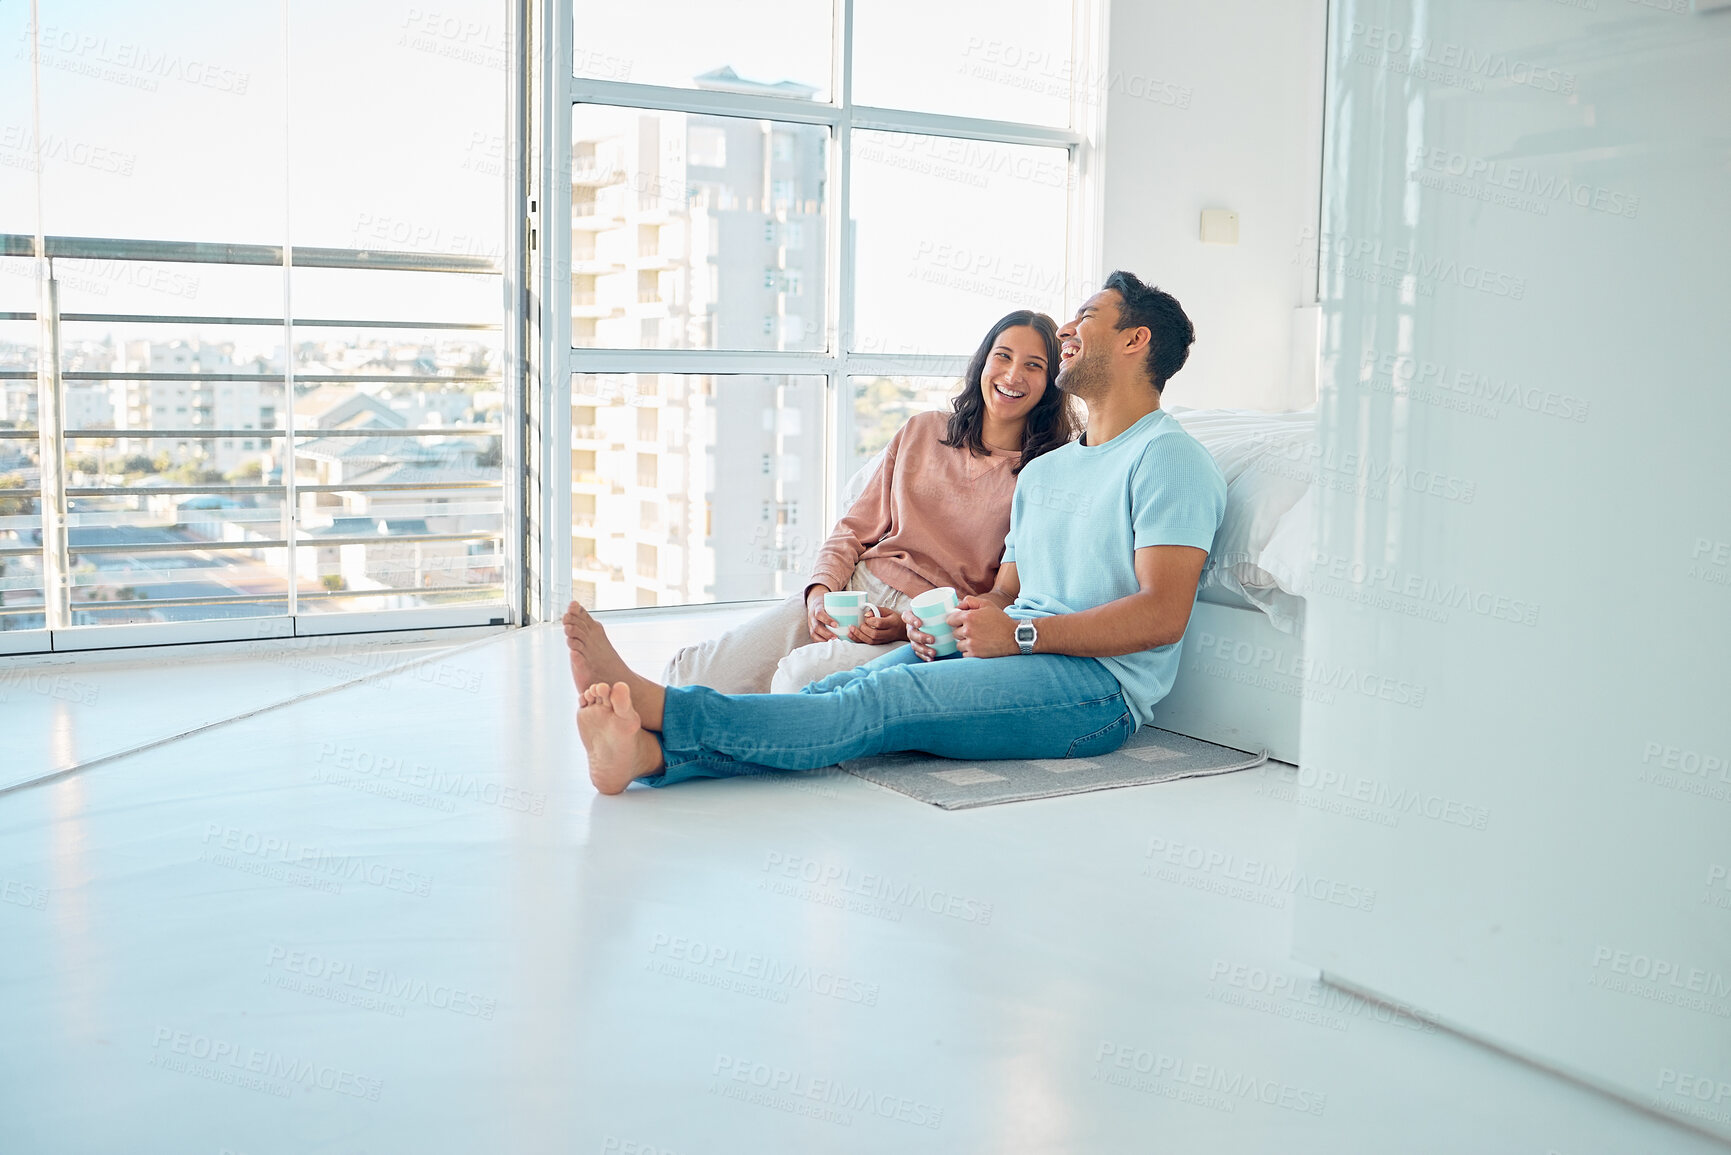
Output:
x=620 y=749
x=594 y=660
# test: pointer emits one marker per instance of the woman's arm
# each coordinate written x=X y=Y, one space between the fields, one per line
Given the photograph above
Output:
x=863 y=526
x=1004 y=591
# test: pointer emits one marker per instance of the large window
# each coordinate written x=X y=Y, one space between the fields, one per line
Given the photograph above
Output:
x=790 y=224
x=279 y=403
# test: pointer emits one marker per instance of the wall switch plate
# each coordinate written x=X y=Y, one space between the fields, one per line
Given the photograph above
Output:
x=1219 y=227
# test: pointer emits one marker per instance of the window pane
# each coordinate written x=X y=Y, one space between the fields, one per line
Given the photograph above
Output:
x=780 y=49
x=20 y=539
x=398 y=522
x=18 y=345
x=717 y=497
x=172 y=528
x=396 y=131
x=20 y=472
x=17 y=152
x=169 y=510
x=20 y=466
x=1001 y=60
x=176 y=463
x=882 y=405
x=391 y=521
x=696 y=232
x=950 y=234
x=161 y=121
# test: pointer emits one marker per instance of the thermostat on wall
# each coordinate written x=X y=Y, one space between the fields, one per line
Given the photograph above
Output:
x=1219 y=227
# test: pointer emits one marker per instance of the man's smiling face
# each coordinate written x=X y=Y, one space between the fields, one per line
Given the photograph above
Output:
x=1085 y=345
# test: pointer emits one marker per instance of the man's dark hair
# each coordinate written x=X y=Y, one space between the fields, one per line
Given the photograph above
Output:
x=1171 y=332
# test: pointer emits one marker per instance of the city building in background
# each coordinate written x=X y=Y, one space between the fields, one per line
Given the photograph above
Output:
x=701 y=232
x=189 y=527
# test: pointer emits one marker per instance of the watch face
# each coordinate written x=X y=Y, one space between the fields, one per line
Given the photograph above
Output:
x=1025 y=632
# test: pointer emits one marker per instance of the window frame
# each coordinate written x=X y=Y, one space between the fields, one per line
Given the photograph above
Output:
x=839 y=361
x=59 y=634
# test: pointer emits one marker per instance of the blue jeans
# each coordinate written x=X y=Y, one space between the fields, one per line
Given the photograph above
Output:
x=1035 y=706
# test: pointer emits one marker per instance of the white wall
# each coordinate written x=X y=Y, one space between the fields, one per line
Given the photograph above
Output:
x=1218 y=105
x=1517 y=733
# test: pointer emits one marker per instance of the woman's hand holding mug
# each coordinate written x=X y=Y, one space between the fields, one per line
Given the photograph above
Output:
x=877 y=629
x=817 y=619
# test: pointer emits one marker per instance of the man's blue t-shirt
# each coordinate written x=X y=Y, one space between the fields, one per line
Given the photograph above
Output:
x=1082 y=511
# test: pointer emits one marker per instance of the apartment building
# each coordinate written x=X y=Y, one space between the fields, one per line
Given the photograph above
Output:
x=230 y=408
x=696 y=232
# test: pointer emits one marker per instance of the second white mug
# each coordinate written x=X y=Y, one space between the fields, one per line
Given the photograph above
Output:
x=848 y=607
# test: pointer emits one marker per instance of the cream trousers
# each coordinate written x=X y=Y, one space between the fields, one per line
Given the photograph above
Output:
x=773 y=653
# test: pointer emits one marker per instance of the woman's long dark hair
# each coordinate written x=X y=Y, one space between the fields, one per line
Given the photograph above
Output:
x=1050 y=422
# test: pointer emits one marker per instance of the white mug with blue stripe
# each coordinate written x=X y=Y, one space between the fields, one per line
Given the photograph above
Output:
x=931 y=608
x=847 y=607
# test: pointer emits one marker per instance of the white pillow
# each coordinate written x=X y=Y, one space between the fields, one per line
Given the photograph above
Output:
x=1267 y=460
x=857 y=483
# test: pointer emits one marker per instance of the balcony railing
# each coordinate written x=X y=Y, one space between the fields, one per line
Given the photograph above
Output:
x=70 y=518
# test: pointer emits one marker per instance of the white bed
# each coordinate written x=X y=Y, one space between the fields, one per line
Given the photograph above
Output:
x=1236 y=684
x=1240 y=680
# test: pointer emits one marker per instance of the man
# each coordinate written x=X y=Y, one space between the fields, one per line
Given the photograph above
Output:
x=1079 y=638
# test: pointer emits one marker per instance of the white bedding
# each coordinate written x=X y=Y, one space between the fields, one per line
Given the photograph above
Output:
x=1267 y=459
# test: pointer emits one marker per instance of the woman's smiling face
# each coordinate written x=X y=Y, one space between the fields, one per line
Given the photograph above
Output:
x=1014 y=377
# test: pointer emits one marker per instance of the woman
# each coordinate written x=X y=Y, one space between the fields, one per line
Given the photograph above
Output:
x=934 y=513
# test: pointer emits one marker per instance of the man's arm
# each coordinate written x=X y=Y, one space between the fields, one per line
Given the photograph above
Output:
x=1155 y=615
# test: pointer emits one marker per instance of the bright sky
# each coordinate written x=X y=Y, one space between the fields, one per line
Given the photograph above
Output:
x=167 y=120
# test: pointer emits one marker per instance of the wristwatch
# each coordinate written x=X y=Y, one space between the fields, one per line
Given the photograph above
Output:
x=1026 y=636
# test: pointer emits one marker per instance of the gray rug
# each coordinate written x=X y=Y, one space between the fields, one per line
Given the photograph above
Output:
x=1151 y=755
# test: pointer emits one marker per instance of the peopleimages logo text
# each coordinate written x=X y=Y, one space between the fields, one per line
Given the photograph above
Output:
x=1354 y=256
x=316 y=860
x=767 y=969
x=879 y=887
x=1430 y=592
x=1663 y=971
x=379 y=981
x=1469 y=62
x=1417 y=373
x=1259 y=872
x=137 y=65
x=799 y=1086
x=1350 y=471
x=1234 y=1085
x=1399 y=800
x=259 y=1062
x=1542 y=187
x=1317 y=672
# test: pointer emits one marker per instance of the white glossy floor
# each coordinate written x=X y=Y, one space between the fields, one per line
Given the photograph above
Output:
x=395 y=918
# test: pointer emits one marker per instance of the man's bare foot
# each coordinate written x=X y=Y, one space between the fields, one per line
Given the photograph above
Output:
x=594 y=660
x=620 y=749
